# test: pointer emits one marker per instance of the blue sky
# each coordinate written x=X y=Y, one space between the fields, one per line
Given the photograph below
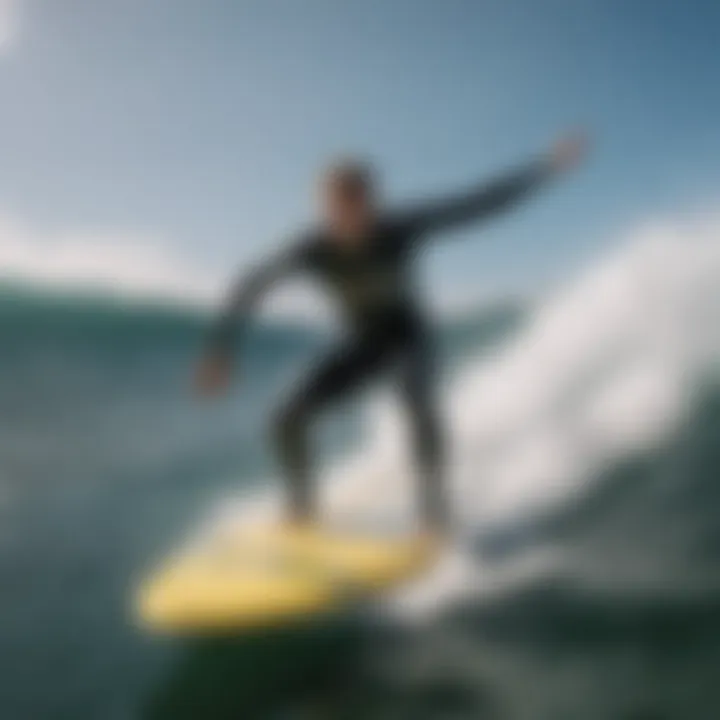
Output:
x=202 y=122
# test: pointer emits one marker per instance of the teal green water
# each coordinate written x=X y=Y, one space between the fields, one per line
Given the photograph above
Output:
x=106 y=461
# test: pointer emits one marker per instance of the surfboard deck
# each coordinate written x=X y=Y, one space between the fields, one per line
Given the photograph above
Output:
x=271 y=575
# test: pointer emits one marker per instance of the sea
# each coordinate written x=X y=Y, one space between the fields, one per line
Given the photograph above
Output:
x=583 y=577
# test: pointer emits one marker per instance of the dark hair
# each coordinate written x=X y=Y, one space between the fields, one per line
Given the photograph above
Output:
x=351 y=174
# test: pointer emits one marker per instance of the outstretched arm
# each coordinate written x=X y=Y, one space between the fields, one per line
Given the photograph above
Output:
x=484 y=201
x=244 y=296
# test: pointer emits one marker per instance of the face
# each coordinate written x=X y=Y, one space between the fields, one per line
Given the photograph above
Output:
x=348 y=208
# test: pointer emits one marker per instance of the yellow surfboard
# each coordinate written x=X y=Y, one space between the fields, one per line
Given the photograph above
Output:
x=275 y=574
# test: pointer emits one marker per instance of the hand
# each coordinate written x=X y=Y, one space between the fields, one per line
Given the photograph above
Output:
x=213 y=374
x=569 y=151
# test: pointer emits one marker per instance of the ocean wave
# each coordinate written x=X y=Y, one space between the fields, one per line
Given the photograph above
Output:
x=604 y=370
x=603 y=367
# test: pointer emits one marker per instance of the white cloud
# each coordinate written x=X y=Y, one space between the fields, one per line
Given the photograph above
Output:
x=129 y=266
x=103 y=262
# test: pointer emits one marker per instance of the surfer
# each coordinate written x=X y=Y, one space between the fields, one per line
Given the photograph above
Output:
x=364 y=255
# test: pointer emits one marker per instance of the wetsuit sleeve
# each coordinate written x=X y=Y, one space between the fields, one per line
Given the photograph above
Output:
x=246 y=293
x=477 y=203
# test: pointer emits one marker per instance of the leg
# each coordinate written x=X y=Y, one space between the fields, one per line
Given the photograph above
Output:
x=337 y=374
x=417 y=387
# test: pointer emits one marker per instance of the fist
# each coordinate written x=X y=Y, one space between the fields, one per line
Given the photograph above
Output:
x=213 y=375
x=569 y=151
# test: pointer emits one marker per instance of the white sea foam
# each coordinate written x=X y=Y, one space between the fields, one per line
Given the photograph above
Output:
x=604 y=368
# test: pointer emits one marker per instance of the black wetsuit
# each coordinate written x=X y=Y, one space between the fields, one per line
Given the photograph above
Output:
x=373 y=284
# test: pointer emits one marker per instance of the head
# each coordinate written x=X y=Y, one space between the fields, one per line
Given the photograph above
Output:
x=348 y=198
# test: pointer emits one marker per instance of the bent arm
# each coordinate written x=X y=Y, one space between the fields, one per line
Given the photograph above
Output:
x=480 y=202
x=246 y=294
